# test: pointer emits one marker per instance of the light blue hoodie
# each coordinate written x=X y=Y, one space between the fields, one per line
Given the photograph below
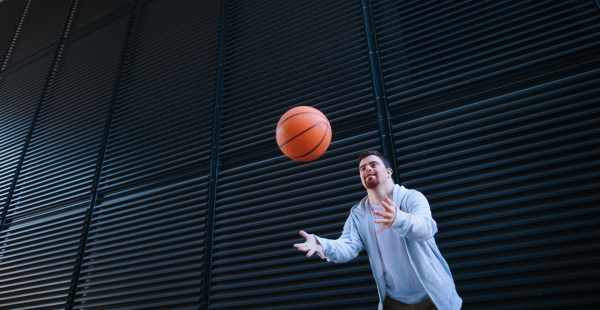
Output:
x=417 y=227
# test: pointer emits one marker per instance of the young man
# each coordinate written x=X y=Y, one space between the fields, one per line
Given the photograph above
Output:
x=395 y=226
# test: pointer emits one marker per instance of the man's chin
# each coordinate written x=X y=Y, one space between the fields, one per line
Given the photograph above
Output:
x=371 y=184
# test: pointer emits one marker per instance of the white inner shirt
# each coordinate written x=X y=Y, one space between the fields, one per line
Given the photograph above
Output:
x=402 y=283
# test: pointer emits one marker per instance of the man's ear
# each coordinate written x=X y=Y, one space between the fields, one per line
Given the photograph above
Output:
x=390 y=171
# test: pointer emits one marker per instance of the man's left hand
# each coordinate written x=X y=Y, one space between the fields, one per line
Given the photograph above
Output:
x=389 y=215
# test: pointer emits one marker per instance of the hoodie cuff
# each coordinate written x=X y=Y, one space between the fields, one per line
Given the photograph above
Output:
x=401 y=222
x=325 y=245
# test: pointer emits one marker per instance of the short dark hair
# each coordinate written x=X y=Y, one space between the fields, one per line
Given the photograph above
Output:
x=384 y=159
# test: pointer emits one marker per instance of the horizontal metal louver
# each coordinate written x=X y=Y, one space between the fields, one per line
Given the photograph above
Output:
x=45 y=220
x=38 y=259
x=10 y=17
x=20 y=95
x=41 y=29
x=280 y=55
x=494 y=113
x=496 y=121
x=146 y=243
x=90 y=12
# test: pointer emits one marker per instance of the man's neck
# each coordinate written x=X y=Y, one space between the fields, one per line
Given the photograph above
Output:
x=377 y=194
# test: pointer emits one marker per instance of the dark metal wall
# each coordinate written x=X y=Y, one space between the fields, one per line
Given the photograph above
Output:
x=495 y=106
x=139 y=169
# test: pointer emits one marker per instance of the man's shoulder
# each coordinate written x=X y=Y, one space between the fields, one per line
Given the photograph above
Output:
x=414 y=194
x=357 y=208
x=411 y=193
x=415 y=199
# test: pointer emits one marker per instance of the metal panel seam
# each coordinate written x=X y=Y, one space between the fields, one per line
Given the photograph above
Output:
x=384 y=117
x=37 y=109
x=214 y=164
x=95 y=186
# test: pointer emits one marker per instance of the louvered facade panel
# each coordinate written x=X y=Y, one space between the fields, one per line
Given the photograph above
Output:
x=10 y=17
x=20 y=95
x=495 y=116
x=90 y=12
x=38 y=258
x=64 y=148
x=146 y=244
x=138 y=150
x=281 y=55
x=42 y=26
x=46 y=215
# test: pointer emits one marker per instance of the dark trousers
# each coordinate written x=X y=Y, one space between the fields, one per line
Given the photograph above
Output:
x=392 y=304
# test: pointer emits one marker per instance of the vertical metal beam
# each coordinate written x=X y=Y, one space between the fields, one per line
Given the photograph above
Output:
x=59 y=50
x=385 y=123
x=597 y=5
x=99 y=164
x=214 y=164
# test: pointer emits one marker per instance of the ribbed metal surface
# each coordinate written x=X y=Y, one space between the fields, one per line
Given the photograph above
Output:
x=496 y=121
x=38 y=259
x=10 y=16
x=90 y=11
x=494 y=108
x=146 y=243
x=41 y=29
x=281 y=55
x=47 y=211
x=20 y=95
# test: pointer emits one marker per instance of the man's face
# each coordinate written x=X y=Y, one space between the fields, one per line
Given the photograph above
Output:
x=373 y=171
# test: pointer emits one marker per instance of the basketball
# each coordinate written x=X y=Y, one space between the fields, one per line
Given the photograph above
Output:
x=303 y=133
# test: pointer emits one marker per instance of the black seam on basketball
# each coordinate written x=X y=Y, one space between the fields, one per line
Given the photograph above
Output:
x=298 y=135
x=299 y=114
x=322 y=139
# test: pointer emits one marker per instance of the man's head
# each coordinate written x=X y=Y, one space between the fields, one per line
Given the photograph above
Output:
x=374 y=169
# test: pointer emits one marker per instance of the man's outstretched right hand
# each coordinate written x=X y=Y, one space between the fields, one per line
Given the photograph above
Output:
x=311 y=245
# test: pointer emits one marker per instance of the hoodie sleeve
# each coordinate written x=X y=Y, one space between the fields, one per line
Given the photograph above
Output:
x=416 y=224
x=346 y=247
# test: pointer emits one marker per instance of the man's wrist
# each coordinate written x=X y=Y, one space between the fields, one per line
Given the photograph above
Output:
x=396 y=223
x=320 y=245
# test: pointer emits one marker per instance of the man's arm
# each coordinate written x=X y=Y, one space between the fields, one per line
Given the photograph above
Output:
x=345 y=248
x=417 y=223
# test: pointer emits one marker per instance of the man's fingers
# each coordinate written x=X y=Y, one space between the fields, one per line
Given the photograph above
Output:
x=303 y=234
x=321 y=255
x=384 y=226
x=297 y=245
x=383 y=213
x=304 y=249
x=389 y=201
x=385 y=217
x=384 y=202
x=387 y=204
x=310 y=253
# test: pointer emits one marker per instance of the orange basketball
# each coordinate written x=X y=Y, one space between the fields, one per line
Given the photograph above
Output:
x=303 y=133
